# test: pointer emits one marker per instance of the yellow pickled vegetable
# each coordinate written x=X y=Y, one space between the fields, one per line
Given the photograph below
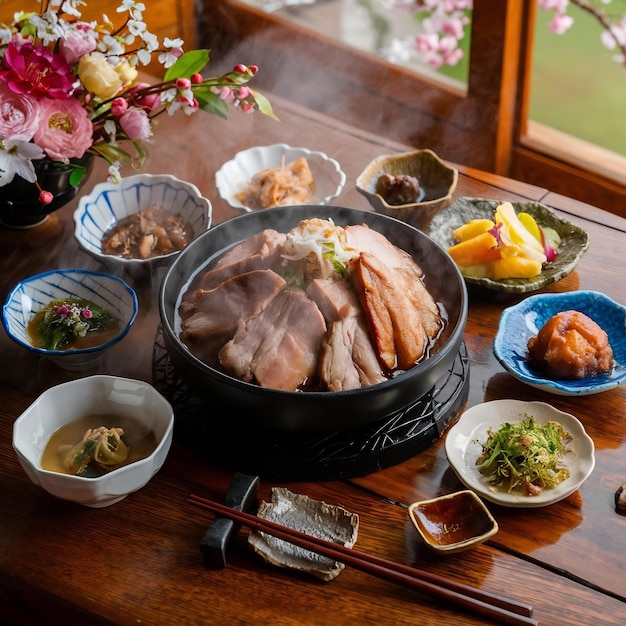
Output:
x=515 y=230
x=514 y=250
x=480 y=249
x=515 y=267
x=472 y=229
x=530 y=224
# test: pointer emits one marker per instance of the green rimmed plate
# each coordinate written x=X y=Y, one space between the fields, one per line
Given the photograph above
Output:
x=574 y=240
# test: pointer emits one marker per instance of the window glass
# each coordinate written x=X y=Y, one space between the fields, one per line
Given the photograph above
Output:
x=576 y=85
x=386 y=28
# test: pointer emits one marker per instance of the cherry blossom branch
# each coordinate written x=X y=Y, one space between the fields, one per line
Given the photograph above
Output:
x=604 y=20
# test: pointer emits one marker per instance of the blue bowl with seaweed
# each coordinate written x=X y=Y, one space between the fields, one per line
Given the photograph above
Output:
x=524 y=320
x=70 y=316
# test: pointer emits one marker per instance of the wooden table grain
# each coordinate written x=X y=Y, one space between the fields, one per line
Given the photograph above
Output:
x=138 y=561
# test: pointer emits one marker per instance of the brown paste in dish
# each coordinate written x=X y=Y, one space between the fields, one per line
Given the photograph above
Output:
x=571 y=345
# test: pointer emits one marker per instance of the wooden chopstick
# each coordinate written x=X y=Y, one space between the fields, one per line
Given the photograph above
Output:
x=493 y=606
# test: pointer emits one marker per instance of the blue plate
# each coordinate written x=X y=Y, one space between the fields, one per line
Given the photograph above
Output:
x=524 y=320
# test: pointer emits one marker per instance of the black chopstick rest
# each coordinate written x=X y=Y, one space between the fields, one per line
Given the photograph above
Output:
x=242 y=496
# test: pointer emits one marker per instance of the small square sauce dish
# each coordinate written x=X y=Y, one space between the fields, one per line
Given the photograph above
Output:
x=454 y=522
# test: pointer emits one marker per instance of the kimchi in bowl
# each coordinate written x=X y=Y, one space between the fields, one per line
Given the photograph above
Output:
x=312 y=410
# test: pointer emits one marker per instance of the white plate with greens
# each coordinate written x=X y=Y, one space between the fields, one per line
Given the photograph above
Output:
x=464 y=445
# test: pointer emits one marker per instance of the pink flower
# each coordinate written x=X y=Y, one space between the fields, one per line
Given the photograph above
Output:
x=76 y=44
x=146 y=101
x=45 y=197
x=37 y=71
x=119 y=106
x=427 y=43
x=19 y=114
x=136 y=124
x=561 y=23
x=66 y=131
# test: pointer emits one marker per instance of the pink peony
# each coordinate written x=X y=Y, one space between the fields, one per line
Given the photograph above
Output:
x=147 y=101
x=19 y=114
x=65 y=131
x=36 y=71
x=76 y=44
x=136 y=124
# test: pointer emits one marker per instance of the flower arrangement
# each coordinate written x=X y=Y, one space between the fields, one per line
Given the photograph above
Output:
x=69 y=87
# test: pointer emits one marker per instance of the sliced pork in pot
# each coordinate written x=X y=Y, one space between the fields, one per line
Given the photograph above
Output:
x=336 y=298
x=337 y=369
x=278 y=348
x=209 y=317
x=348 y=359
x=403 y=316
x=259 y=252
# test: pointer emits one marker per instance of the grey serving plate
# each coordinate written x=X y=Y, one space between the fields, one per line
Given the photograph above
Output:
x=574 y=240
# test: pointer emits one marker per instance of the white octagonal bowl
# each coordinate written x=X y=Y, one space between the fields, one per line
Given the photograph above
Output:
x=94 y=395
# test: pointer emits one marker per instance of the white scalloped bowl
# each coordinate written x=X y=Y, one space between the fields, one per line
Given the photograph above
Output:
x=93 y=395
x=233 y=177
x=110 y=202
x=30 y=295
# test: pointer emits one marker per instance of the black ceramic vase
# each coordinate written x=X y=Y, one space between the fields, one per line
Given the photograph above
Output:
x=19 y=200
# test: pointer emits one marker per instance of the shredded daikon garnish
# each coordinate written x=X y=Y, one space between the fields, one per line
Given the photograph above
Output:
x=321 y=243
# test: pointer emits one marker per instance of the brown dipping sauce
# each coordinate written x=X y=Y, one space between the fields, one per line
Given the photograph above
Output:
x=451 y=520
x=149 y=233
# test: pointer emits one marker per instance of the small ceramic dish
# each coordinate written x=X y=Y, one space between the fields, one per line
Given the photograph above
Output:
x=574 y=240
x=524 y=320
x=235 y=175
x=454 y=522
x=313 y=517
x=464 y=440
x=437 y=182
x=31 y=295
x=94 y=395
x=108 y=203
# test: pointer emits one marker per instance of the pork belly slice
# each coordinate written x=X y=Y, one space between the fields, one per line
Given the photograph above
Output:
x=278 y=348
x=209 y=318
x=336 y=298
x=365 y=239
x=364 y=355
x=348 y=359
x=258 y=252
x=337 y=369
x=404 y=268
x=396 y=323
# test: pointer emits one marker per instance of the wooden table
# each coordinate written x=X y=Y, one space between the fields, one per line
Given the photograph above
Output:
x=138 y=562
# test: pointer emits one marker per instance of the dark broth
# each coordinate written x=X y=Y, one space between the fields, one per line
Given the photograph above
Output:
x=140 y=441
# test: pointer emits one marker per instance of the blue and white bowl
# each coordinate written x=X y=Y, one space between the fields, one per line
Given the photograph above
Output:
x=111 y=202
x=31 y=295
x=524 y=320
